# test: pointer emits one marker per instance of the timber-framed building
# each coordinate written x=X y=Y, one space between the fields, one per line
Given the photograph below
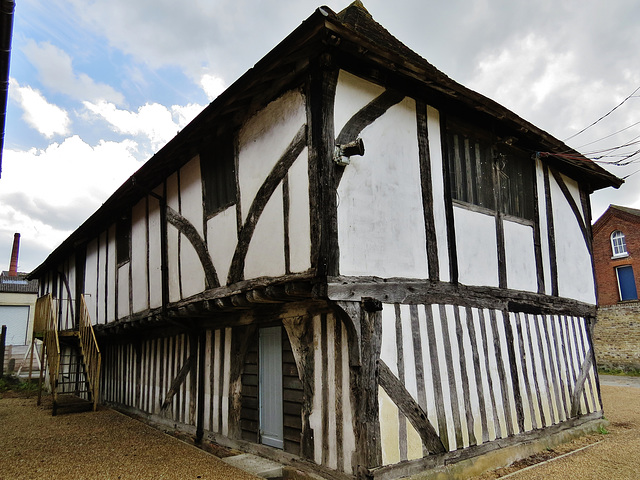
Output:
x=347 y=260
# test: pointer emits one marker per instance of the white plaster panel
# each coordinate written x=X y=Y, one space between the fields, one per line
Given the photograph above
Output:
x=111 y=274
x=520 y=256
x=191 y=270
x=222 y=238
x=225 y=381
x=408 y=353
x=380 y=218
x=191 y=194
x=352 y=94
x=575 y=274
x=348 y=430
x=444 y=376
x=265 y=256
x=155 y=254
x=263 y=140
x=299 y=215
x=437 y=188
x=430 y=388
x=574 y=190
x=123 y=290
x=140 y=282
x=388 y=348
x=330 y=406
x=91 y=278
x=71 y=277
x=102 y=280
x=470 y=370
x=172 y=240
x=456 y=371
x=544 y=231
x=315 y=417
x=389 y=428
x=477 y=247
x=502 y=325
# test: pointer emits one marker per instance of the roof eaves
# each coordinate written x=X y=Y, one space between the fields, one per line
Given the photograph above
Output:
x=378 y=45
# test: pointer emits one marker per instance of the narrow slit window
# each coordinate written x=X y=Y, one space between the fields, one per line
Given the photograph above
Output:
x=123 y=240
x=217 y=166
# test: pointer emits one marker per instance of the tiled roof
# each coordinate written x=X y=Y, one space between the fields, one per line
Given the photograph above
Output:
x=17 y=284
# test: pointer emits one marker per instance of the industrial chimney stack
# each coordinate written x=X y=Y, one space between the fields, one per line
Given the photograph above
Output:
x=13 y=268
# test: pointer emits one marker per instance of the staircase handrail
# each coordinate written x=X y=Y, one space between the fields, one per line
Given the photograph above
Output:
x=47 y=323
x=90 y=351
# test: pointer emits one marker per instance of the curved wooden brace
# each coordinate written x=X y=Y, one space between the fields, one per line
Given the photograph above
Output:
x=277 y=174
x=365 y=117
x=410 y=409
x=574 y=207
x=579 y=386
x=185 y=227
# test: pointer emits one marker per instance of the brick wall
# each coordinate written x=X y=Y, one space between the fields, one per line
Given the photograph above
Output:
x=616 y=336
x=606 y=279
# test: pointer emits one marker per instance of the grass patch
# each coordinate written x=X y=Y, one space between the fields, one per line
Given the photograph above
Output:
x=11 y=383
x=630 y=372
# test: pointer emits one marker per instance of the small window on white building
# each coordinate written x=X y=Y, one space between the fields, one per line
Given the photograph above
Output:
x=618 y=244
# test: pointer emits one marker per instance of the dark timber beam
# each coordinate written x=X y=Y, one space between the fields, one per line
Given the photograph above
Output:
x=368 y=441
x=410 y=409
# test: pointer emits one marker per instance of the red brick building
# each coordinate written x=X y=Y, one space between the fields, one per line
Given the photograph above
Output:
x=616 y=252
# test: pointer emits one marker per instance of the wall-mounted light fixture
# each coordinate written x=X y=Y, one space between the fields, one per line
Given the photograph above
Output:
x=343 y=153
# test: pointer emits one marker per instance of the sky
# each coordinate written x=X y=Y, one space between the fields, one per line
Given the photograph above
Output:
x=98 y=86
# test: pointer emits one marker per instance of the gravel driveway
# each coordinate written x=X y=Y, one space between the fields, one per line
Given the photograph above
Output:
x=96 y=445
x=109 y=445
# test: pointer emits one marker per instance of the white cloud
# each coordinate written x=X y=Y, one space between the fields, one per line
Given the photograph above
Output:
x=47 y=193
x=212 y=85
x=56 y=72
x=523 y=74
x=152 y=120
x=46 y=118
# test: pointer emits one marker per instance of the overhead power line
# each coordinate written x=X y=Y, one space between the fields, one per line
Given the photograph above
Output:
x=603 y=116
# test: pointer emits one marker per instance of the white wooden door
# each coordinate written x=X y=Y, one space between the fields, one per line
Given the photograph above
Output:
x=270 y=387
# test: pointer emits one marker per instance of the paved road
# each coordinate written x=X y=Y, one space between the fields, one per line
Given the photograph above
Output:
x=617 y=381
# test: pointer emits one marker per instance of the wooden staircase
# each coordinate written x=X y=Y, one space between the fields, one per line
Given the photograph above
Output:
x=72 y=358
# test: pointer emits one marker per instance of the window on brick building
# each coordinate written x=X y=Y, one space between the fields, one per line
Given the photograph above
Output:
x=626 y=283
x=618 y=244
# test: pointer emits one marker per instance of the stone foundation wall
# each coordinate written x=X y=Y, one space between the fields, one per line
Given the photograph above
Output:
x=616 y=336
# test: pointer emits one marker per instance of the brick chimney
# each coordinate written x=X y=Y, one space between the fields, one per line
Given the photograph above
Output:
x=13 y=268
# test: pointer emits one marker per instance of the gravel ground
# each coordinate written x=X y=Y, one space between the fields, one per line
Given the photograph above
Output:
x=613 y=455
x=96 y=445
x=108 y=445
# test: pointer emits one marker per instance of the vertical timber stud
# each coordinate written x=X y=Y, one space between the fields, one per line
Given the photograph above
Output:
x=193 y=378
x=448 y=202
x=300 y=334
x=368 y=439
x=202 y=337
x=240 y=340
x=321 y=91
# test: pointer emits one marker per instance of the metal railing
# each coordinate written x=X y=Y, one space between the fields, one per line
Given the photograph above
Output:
x=90 y=352
x=45 y=323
